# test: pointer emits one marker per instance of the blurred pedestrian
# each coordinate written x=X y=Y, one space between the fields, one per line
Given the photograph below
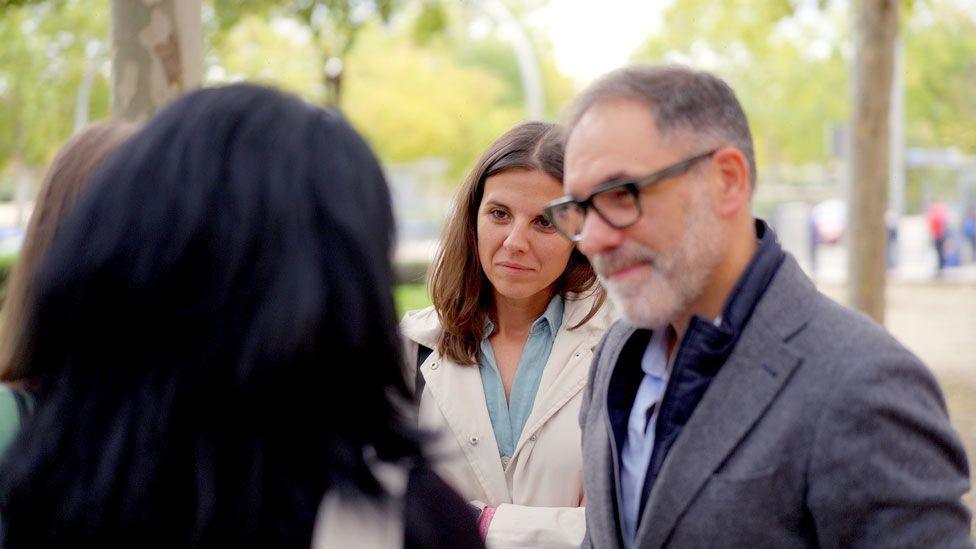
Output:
x=969 y=229
x=891 y=244
x=937 y=218
x=503 y=353
x=215 y=349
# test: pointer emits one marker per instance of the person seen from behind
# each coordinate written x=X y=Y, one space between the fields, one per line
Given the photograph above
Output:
x=214 y=350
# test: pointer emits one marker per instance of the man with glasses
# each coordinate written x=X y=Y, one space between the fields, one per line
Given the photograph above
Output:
x=735 y=405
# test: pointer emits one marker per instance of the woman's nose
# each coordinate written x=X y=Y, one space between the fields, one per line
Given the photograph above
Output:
x=517 y=239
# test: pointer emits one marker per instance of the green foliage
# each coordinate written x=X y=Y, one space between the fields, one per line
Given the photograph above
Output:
x=940 y=77
x=7 y=263
x=318 y=15
x=416 y=85
x=789 y=77
x=5 y=4
x=410 y=297
x=496 y=57
x=42 y=64
x=255 y=51
x=430 y=22
x=414 y=102
x=790 y=69
x=411 y=102
x=334 y=24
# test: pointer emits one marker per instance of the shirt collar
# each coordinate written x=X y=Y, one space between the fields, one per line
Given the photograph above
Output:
x=550 y=320
x=655 y=360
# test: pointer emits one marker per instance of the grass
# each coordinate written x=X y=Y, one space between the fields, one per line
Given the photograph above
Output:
x=410 y=297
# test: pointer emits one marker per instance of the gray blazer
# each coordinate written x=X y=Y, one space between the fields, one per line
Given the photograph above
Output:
x=819 y=430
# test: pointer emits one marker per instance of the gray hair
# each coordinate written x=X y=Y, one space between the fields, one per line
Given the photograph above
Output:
x=682 y=100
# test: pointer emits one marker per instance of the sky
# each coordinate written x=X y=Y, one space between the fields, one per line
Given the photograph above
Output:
x=593 y=37
x=590 y=38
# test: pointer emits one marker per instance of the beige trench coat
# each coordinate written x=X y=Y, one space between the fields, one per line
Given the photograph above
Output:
x=539 y=494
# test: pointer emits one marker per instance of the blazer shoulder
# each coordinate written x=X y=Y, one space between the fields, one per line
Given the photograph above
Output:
x=820 y=330
x=850 y=338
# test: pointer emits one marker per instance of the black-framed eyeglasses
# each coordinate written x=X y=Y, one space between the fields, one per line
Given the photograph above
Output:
x=616 y=202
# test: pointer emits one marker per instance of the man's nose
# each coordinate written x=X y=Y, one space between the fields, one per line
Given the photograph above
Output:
x=597 y=236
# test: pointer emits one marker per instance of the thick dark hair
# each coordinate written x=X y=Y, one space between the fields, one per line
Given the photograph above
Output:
x=694 y=103
x=215 y=342
x=460 y=290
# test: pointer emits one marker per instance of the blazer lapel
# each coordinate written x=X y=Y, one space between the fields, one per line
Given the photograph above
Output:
x=738 y=397
x=459 y=395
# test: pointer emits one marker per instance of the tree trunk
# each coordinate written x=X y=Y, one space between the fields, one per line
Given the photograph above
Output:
x=157 y=54
x=333 y=85
x=877 y=28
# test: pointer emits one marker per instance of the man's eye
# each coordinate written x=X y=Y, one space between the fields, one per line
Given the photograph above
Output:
x=616 y=196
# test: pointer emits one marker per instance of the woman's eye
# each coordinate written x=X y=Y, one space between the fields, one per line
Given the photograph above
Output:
x=498 y=215
x=545 y=224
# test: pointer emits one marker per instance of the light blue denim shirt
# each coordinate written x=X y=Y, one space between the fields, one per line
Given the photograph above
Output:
x=508 y=417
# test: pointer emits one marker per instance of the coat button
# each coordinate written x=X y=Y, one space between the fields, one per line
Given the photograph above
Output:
x=433 y=365
x=473 y=441
x=577 y=355
x=533 y=438
x=505 y=461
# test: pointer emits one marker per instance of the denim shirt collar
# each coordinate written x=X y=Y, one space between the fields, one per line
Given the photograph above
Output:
x=550 y=320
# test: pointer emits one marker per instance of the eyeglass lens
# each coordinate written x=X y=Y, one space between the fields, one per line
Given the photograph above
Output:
x=617 y=206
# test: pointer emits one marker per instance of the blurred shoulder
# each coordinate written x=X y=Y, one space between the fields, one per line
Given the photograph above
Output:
x=435 y=515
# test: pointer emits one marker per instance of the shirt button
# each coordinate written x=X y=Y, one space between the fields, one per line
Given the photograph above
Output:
x=433 y=365
x=577 y=355
x=473 y=441
x=533 y=438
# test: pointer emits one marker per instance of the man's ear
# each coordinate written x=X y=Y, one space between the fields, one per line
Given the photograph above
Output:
x=734 y=190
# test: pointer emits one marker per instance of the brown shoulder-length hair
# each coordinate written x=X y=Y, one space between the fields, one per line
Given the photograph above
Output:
x=73 y=167
x=460 y=290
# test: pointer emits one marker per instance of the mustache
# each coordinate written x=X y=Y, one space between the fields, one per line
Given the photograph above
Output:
x=606 y=264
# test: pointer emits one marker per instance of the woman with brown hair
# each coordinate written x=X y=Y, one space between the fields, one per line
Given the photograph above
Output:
x=70 y=172
x=503 y=354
